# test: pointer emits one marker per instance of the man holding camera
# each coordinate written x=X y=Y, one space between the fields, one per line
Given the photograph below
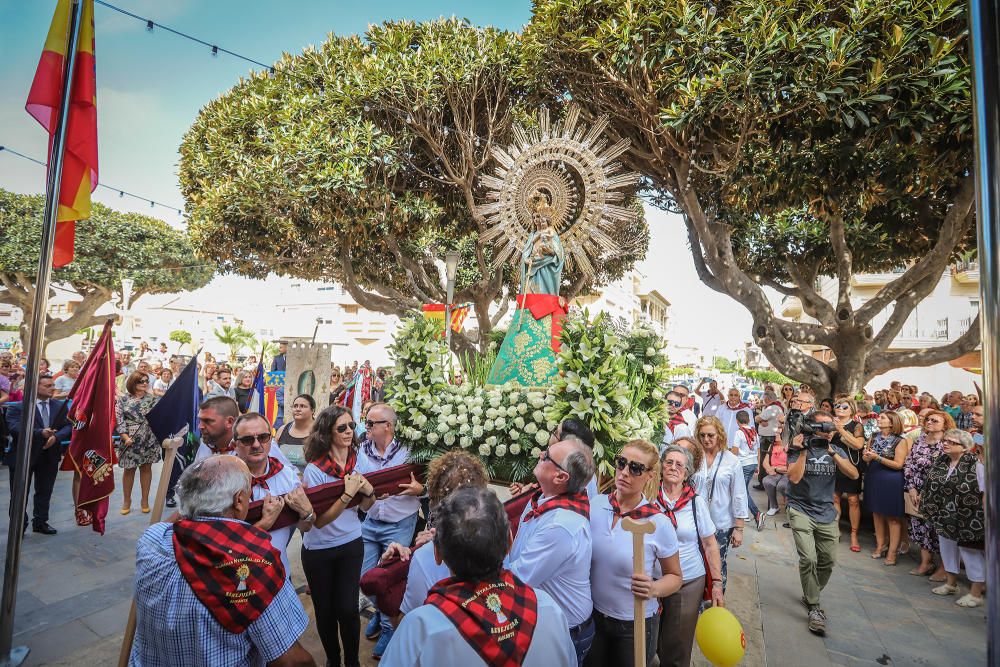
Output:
x=813 y=462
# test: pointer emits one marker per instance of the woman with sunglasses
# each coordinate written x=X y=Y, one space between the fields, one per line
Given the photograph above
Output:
x=850 y=438
x=886 y=454
x=333 y=550
x=924 y=452
x=723 y=488
x=787 y=392
x=690 y=517
x=952 y=501
x=137 y=447
x=613 y=585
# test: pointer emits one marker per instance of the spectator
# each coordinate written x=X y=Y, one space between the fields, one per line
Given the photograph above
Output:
x=337 y=387
x=143 y=367
x=893 y=401
x=927 y=402
x=954 y=404
x=689 y=408
x=162 y=356
x=724 y=488
x=163 y=382
x=144 y=353
x=787 y=392
x=826 y=405
x=727 y=414
x=279 y=361
x=771 y=416
x=924 y=452
x=456 y=626
x=812 y=464
x=697 y=479
x=711 y=398
x=244 y=389
x=745 y=448
x=690 y=517
x=138 y=447
x=292 y=435
x=849 y=436
x=776 y=481
x=5 y=388
x=44 y=367
x=952 y=501
x=886 y=455
x=332 y=552
x=208 y=372
x=183 y=620
x=908 y=396
x=64 y=383
x=613 y=584
x=964 y=418
x=677 y=425
x=222 y=384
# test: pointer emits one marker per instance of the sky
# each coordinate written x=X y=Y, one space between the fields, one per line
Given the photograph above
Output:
x=151 y=86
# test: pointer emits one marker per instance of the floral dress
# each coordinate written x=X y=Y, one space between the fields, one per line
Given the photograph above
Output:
x=130 y=415
x=918 y=463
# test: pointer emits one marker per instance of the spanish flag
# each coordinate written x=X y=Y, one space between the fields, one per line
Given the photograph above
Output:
x=79 y=171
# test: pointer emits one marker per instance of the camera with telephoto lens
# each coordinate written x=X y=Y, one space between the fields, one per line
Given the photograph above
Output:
x=799 y=422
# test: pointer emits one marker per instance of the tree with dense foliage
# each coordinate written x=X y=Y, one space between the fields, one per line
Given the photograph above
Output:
x=236 y=337
x=181 y=337
x=110 y=246
x=358 y=162
x=797 y=139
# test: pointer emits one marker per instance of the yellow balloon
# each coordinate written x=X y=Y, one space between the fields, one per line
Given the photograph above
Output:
x=720 y=637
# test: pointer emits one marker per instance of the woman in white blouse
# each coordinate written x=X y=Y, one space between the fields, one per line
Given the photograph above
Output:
x=689 y=514
x=613 y=585
x=723 y=487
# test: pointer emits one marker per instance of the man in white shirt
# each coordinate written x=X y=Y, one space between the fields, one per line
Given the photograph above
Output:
x=216 y=419
x=162 y=356
x=272 y=481
x=553 y=548
x=711 y=398
x=689 y=406
x=727 y=414
x=677 y=426
x=391 y=518
x=483 y=611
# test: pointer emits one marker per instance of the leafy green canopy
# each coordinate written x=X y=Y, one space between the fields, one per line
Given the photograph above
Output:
x=357 y=161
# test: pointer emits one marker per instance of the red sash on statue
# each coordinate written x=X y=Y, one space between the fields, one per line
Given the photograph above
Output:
x=333 y=469
x=497 y=618
x=574 y=502
x=231 y=567
x=274 y=466
x=540 y=305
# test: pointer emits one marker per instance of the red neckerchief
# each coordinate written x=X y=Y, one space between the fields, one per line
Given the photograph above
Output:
x=688 y=403
x=636 y=513
x=273 y=468
x=497 y=618
x=687 y=495
x=676 y=420
x=778 y=403
x=750 y=434
x=574 y=502
x=231 y=566
x=225 y=449
x=739 y=406
x=333 y=469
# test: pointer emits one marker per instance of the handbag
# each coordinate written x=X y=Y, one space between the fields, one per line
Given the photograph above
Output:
x=910 y=508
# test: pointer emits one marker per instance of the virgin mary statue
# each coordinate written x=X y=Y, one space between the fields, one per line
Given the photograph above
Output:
x=527 y=356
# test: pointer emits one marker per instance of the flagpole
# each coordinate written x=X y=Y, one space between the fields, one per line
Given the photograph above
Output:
x=19 y=499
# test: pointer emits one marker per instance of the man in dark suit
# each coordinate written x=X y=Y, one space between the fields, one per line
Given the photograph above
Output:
x=51 y=427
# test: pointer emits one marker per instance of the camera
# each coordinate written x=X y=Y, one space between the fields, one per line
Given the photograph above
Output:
x=799 y=422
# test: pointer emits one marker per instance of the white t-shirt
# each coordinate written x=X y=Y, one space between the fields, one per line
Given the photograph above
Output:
x=611 y=566
x=692 y=565
x=426 y=638
x=553 y=552
x=161 y=385
x=677 y=431
x=282 y=483
x=723 y=488
x=727 y=416
x=424 y=573
x=771 y=413
x=64 y=383
x=345 y=528
x=748 y=450
x=710 y=403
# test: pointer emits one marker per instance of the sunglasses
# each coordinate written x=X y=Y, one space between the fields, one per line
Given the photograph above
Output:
x=349 y=426
x=674 y=404
x=247 y=440
x=371 y=422
x=842 y=406
x=547 y=457
x=634 y=468
x=146 y=381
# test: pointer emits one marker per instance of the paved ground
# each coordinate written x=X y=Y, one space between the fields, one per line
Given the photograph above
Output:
x=75 y=592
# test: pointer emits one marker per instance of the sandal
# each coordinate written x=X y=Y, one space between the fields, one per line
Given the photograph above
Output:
x=125 y=510
x=969 y=600
x=879 y=553
x=855 y=547
x=917 y=572
x=944 y=589
x=889 y=563
x=84 y=518
x=904 y=549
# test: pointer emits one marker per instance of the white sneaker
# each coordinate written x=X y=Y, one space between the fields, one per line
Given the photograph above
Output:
x=364 y=603
x=772 y=511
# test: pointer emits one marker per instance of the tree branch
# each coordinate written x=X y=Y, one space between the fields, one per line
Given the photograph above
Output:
x=704 y=273
x=845 y=261
x=812 y=303
x=883 y=361
x=901 y=311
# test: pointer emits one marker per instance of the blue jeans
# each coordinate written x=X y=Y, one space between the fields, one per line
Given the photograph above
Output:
x=377 y=536
x=748 y=473
x=583 y=638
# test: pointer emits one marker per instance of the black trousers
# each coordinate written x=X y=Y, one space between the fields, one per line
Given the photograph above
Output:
x=613 y=642
x=334 y=575
x=43 y=467
x=766 y=441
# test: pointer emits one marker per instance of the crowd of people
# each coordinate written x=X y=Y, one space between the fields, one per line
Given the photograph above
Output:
x=562 y=589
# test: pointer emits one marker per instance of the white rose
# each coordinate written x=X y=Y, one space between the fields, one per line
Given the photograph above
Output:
x=515 y=449
x=484 y=450
x=551 y=425
x=538 y=416
x=657 y=394
x=465 y=442
x=650 y=351
x=500 y=423
x=477 y=410
x=646 y=368
x=477 y=431
x=488 y=425
x=463 y=419
x=432 y=438
x=530 y=428
x=536 y=452
x=451 y=420
x=542 y=437
x=519 y=422
x=522 y=409
x=416 y=434
x=463 y=429
x=449 y=439
x=495 y=400
x=514 y=397
x=501 y=450
x=442 y=428
x=491 y=441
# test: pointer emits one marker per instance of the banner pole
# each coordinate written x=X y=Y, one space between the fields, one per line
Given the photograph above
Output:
x=19 y=497
x=984 y=32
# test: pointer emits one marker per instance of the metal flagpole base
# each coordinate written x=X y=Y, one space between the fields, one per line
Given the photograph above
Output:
x=18 y=654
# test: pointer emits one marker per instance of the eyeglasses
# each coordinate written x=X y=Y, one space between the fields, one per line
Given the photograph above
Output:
x=933 y=420
x=349 y=426
x=674 y=404
x=247 y=440
x=547 y=457
x=954 y=442
x=674 y=464
x=371 y=423
x=635 y=468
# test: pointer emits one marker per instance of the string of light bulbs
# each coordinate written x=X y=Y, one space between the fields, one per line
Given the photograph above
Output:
x=121 y=192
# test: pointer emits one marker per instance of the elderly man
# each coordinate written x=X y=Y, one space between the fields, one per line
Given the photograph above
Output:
x=391 y=518
x=727 y=414
x=482 y=613
x=552 y=551
x=677 y=425
x=210 y=589
x=274 y=482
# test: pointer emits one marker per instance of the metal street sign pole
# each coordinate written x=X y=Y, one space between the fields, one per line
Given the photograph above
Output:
x=19 y=497
x=984 y=31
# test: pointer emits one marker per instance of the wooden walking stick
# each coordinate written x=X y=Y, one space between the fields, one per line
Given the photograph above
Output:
x=638 y=530
x=170 y=446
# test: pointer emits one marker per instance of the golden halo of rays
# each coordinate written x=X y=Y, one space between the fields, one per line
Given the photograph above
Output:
x=577 y=168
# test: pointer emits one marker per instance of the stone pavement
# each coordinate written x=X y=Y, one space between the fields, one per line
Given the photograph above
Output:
x=75 y=591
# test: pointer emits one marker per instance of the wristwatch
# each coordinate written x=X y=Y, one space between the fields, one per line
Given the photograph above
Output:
x=311 y=517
